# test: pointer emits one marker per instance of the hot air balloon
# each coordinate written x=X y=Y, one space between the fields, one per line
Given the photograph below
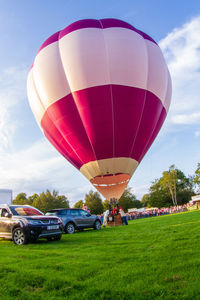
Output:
x=100 y=90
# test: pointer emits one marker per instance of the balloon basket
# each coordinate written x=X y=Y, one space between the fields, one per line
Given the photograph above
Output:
x=114 y=220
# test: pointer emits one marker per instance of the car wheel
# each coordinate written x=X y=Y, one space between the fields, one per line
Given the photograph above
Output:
x=97 y=225
x=70 y=228
x=19 y=236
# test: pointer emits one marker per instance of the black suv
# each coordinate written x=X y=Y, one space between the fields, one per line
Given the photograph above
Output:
x=74 y=218
x=24 y=223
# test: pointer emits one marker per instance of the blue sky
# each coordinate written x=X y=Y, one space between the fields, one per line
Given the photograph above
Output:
x=28 y=163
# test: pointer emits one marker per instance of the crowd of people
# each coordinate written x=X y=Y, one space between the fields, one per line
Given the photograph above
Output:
x=158 y=212
x=155 y=212
x=145 y=212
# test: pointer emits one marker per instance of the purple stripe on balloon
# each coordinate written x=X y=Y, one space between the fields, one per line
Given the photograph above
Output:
x=87 y=23
x=92 y=23
x=85 y=123
x=52 y=39
x=107 y=23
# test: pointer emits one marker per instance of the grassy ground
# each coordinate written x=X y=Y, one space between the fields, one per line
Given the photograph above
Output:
x=155 y=258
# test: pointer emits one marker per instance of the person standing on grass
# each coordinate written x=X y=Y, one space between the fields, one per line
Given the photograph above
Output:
x=123 y=215
x=114 y=211
x=105 y=217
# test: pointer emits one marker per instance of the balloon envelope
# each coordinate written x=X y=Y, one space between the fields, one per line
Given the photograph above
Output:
x=100 y=90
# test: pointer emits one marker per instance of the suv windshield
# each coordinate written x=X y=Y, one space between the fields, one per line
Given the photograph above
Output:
x=25 y=211
x=51 y=213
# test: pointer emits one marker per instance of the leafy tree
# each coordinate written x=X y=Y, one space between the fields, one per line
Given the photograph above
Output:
x=196 y=179
x=32 y=198
x=62 y=201
x=94 y=203
x=169 y=181
x=171 y=189
x=137 y=204
x=175 y=181
x=191 y=184
x=105 y=205
x=43 y=201
x=47 y=200
x=127 y=200
x=158 y=197
x=184 y=196
x=78 y=204
x=20 y=199
x=144 y=200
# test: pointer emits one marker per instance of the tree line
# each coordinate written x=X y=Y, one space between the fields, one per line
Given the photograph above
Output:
x=51 y=200
x=172 y=188
x=43 y=201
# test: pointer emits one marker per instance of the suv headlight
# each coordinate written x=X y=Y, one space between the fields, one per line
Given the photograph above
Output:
x=34 y=222
x=60 y=221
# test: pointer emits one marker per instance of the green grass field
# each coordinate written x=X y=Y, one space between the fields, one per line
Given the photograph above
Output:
x=154 y=258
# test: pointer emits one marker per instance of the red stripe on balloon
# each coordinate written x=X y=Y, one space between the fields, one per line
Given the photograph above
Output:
x=150 y=122
x=110 y=121
x=95 y=109
x=64 y=118
x=128 y=103
x=56 y=139
x=154 y=133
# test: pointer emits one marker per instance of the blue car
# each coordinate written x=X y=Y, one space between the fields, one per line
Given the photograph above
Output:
x=75 y=218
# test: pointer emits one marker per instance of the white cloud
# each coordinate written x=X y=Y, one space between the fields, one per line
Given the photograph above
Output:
x=140 y=190
x=197 y=133
x=79 y=192
x=12 y=92
x=181 y=49
x=38 y=168
x=186 y=119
